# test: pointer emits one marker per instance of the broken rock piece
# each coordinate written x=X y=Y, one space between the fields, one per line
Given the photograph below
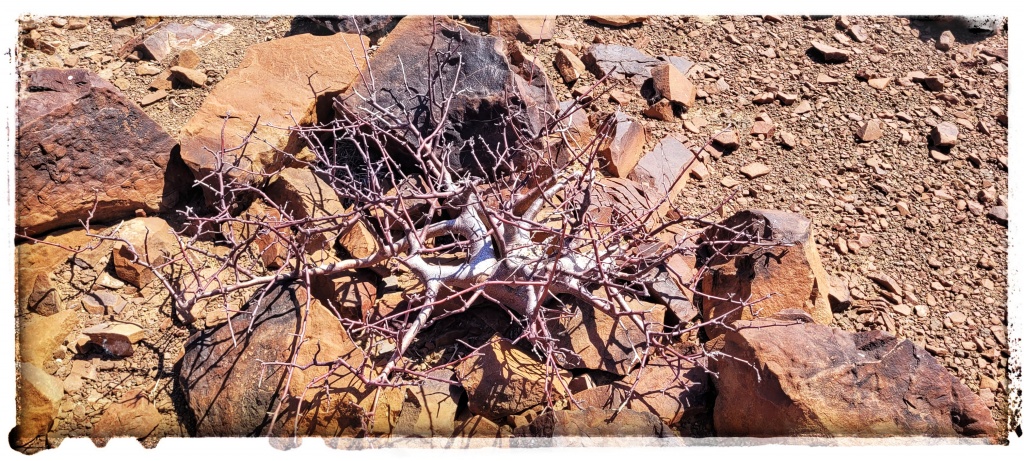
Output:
x=172 y=37
x=116 y=337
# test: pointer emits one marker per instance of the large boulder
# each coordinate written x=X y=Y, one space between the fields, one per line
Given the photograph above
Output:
x=231 y=394
x=82 y=144
x=790 y=378
x=486 y=87
x=595 y=422
x=504 y=380
x=39 y=398
x=760 y=262
x=272 y=84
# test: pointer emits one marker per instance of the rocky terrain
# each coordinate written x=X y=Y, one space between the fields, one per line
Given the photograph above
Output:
x=881 y=141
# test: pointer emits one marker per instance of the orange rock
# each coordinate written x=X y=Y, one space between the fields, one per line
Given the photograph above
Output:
x=529 y=29
x=673 y=85
x=39 y=398
x=624 y=146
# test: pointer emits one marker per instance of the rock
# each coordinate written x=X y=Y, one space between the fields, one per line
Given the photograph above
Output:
x=77 y=23
x=529 y=29
x=727 y=140
x=762 y=128
x=577 y=132
x=825 y=79
x=672 y=84
x=886 y=282
x=803 y=108
x=430 y=407
x=133 y=416
x=43 y=298
x=103 y=302
x=664 y=169
x=624 y=145
x=478 y=426
x=39 y=337
x=272 y=83
x=946 y=41
x=999 y=214
x=619 y=97
x=858 y=33
x=682 y=64
x=879 y=83
x=351 y=294
x=122 y=21
x=788 y=140
x=671 y=391
x=301 y=194
x=783 y=378
x=485 y=81
x=152 y=98
x=870 y=130
x=188 y=77
x=661 y=110
x=792 y=275
x=116 y=338
x=146 y=68
x=39 y=397
x=65 y=118
x=935 y=82
x=839 y=294
x=618 y=20
x=504 y=380
x=944 y=134
x=596 y=340
x=622 y=62
x=755 y=170
x=594 y=422
x=154 y=244
x=569 y=66
x=831 y=54
x=188 y=58
x=231 y=395
x=167 y=39
x=939 y=156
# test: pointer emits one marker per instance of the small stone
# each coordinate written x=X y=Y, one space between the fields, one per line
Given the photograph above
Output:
x=944 y=134
x=921 y=310
x=116 y=337
x=728 y=182
x=727 y=140
x=886 y=282
x=766 y=129
x=946 y=41
x=147 y=69
x=935 y=82
x=870 y=131
x=786 y=98
x=858 y=33
x=188 y=58
x=831 y=54
x=788 y=139
x=764 y=98
x=122 y=21
x=103 y=302
x=755 y=170
x=568 y=65
x=620 y=97
x=939 y=156
x=999 y=214
x=903 y=310
x=618 y=20
x=673 y=85
x=152 y=98
x=190 y=77
x=879 y=83
x=802 y=108
x=958 y=318
x=825 y=79
x=661 y=110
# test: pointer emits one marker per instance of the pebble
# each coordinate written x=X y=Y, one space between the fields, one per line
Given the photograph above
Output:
x=921 y=310
x=755 y=170
x=152 y=98
x=957 y=317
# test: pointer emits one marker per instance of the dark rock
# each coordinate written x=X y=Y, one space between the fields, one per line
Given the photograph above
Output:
x=671 y=390
x=784 y=378
x=362 y=25
x=488 y=88
x=66 y=119
x=231 y=394
x=44 y=298
x=622 y=62
x=999 y=214
x=594 y=422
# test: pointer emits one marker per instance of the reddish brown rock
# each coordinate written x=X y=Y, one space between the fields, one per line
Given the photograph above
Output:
x=171 y=37
x=39 y=397
x=65 y=118
x=593 y=422
x=670 y=390
x=595 y=340
x=804 y=379
x=618 y=20
x=569 y=66
x=188 y=77
x=661 y=110
x=39 y=337
x=429 y=408
x=831 y=54
x=351 y=295
x=624 y=145
x=870 y=130
x=672 y=84
x=529 y=29
x=946 y=41
x=664 y=169
x=150 y=241
x=755 y=170
x=43 y=298
x=272 y=83
x=504 y=380
x=936 y=82
x=230 y=393
x=772 y=279
x=132 y=416
x=116 y=338
x=478 y=426
x=944 y=134
x=763 y=128
x=727 y=140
